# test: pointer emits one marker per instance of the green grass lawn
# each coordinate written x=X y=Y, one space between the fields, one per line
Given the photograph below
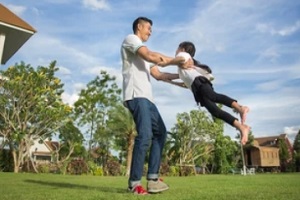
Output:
x=64 y=187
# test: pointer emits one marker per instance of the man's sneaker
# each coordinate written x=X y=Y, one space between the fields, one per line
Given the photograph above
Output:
x=156 y=186
x=139 y=190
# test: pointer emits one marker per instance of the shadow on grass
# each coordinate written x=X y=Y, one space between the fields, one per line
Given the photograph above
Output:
x=77 y=186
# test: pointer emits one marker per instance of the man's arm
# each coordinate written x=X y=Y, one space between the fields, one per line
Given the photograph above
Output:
x=180 y=62
x=162 y=60
x=162 y=76
x=166 y=77
x=180 y=84
x=152 y=57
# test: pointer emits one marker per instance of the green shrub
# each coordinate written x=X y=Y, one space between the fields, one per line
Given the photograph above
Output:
x=43 y=168
x=92 y=167
x=174 y=171
x=98 y=171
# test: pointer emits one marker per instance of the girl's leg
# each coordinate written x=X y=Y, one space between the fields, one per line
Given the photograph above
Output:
x=215 y=111
x=209 y=100
x=229 y=102
x=243 y=110
x=218 y=113
x=244 y=131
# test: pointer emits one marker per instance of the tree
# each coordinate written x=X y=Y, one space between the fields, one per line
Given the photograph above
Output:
x=296 y=147
x=71 y=139
x=92 y=107
x=284 y=154
x=31 y=107
x=122 y=126
x=191 y=138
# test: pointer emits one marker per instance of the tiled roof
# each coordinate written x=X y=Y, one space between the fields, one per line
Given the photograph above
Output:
x=270 y=141
x=52 y=145
x=8 y=17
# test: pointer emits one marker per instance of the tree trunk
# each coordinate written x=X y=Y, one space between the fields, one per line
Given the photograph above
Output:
x=129 y=153
x=16 y=163
x=33 y=164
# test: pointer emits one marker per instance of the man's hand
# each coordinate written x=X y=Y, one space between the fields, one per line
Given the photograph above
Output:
x=164 y=61
x=187 y=65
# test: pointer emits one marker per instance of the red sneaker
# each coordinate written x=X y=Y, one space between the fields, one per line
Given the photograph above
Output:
x=139 y=190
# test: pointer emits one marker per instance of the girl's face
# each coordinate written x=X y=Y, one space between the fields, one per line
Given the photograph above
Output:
x=179 y=50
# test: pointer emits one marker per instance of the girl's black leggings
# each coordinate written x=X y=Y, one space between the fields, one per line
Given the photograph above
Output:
x=205 y=94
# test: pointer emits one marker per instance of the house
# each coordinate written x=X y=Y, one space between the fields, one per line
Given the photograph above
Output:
x=263 y=152
x=43 y=151
x=14 y=32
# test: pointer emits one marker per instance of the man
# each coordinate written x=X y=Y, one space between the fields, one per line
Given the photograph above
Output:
x=137 y=96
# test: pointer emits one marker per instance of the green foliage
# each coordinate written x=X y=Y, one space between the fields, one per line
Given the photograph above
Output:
x=31 y=106
x=283 y=153
x=91 y=112
x=174 y=171
x=225 y=153
x=191 y=140
x=98 y=171
x=192 y=132
x=297 y=161
x=94 y=102
x=71 y=142
x=121 y=125
x=296 y=147
x=44 y=168
x=94 y=169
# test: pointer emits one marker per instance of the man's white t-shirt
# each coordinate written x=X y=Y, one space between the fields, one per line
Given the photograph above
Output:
x=135 y=70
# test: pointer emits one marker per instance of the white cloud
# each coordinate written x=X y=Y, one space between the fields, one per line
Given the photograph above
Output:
x=96 y=4
x=18 y=10
x=292 y=131
x=64 y=70
x=289 y=30
x=271 y=54
x=69 y=99
x=270 y=85
x=285 y=31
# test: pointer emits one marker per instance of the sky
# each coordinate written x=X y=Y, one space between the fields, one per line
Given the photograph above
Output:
x=252 y=46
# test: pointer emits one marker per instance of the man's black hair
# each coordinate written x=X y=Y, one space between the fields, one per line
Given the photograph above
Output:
x=139 y=20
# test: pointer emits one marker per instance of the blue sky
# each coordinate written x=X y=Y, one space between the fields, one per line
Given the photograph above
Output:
x=252 y=46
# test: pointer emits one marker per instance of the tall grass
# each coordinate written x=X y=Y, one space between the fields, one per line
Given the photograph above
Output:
x=210 y=187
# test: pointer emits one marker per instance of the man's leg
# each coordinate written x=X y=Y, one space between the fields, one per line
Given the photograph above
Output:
x=140 y=109
x=158 y=141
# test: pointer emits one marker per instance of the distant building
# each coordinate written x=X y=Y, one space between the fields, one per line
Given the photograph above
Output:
x=43 y=151
x=14 y=32
x=264 y=152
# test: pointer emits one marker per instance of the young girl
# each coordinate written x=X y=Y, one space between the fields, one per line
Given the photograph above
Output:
x=204 y=93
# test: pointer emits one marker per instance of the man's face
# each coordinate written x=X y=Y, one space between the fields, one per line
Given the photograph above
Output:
x=144 y=31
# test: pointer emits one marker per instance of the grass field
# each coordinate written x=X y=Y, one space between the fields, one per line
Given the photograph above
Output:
x=210 y=187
